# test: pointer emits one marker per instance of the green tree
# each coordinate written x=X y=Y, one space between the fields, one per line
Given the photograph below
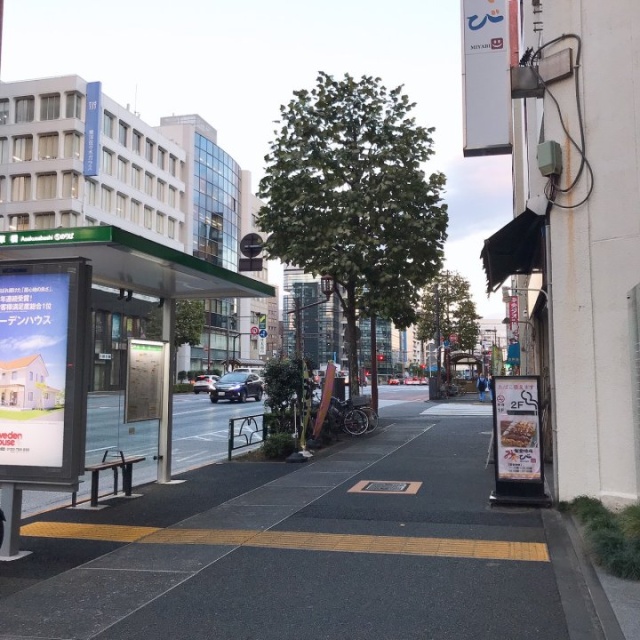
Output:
x=189 y=323
x=346 y=196
x=454 y=309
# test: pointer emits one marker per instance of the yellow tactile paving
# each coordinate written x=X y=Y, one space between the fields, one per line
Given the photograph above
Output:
x=433 y=547
x=113 y=532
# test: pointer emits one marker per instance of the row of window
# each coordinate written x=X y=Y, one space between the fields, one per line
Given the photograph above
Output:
x=133 y=210
x=21 y=148
x=23 y=109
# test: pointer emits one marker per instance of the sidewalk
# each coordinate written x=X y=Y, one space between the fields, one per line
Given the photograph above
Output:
x=388 y=537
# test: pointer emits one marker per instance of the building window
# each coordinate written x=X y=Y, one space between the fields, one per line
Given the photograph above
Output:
x=22 y=148
x=46 y=186
x=160 y=190
x=172 y=197
x=121 y=205
x=107 y=124
x=135 y=212
x=172 y=165
x=162 y=158
x=160 y=223
x=3 y=195
x=107 y=162
x=136 y=177
x=171 y=228
x=148 y=217
x=136 y=143
x=91 y=192
x=148 y=184
x=68 y=219
x=106 y=199
x=49 y=107
x=48 y=146
x=24 y=109
x=123 y=133
x=4 y=111
x=74 y=106
x=20 y=188
x=45 y=220
x=122 y=169
x=19 y=222
x=70 y=184
x=72 y=145
x=148 y=150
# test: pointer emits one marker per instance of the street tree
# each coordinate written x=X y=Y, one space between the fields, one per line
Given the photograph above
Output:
x=448 y=309
x=347 y=197
x=189 y=323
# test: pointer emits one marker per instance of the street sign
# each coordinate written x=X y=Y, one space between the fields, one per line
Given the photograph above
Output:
x=251 y=245
x=255 y=331
x=262 y=321
x=263 y=333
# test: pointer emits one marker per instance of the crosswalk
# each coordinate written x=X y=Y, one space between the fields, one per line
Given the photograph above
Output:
x=459 y=409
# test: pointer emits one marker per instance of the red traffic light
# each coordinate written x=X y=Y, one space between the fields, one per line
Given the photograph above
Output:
x=380 y=357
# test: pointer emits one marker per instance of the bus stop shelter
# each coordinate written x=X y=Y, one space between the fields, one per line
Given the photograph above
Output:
x=131 y=264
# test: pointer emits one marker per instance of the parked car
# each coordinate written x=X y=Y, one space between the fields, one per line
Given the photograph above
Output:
x=238 y=386
x=205 y=383
x=394 y=381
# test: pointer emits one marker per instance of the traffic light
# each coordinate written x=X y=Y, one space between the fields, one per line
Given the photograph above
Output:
x=380 y=357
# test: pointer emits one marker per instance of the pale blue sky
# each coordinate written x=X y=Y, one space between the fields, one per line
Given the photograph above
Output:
x=234 y=63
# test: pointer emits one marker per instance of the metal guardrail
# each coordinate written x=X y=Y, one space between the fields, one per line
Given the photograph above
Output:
x=244 y=432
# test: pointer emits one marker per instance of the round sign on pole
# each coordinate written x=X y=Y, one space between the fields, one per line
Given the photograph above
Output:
x=255 y=331
x=263 y=333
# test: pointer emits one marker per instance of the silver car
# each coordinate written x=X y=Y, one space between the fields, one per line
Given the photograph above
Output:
x=205 y=383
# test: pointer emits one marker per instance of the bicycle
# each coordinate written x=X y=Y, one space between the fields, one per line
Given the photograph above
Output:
x=344 y=416
x=372 y=417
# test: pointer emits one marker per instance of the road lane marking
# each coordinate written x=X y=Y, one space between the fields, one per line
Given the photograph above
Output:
x=397 y=545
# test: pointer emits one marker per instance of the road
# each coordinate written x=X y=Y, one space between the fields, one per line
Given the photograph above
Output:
x=200 y=437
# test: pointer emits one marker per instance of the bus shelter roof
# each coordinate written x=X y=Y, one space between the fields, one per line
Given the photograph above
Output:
x=124 y=260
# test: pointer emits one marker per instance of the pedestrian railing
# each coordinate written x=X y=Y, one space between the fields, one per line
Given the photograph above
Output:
x=245 y=432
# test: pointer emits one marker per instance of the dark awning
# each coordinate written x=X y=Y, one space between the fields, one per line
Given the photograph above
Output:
x=517 y=248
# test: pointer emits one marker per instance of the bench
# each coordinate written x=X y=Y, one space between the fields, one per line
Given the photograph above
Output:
x=119 y=461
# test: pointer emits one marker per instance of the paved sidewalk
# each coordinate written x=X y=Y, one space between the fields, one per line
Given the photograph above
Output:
x=388 y=536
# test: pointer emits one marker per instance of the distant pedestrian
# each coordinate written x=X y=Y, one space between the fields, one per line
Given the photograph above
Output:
x=490 y=386
x=481 y=385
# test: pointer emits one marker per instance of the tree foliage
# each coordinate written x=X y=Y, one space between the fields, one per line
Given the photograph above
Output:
x=346 y=196
x=457 y=311
x=189 y=323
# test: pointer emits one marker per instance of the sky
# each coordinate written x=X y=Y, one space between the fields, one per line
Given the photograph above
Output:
x=235 y=62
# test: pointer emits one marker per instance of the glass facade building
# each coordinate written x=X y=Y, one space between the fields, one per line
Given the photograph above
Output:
x=216 y=202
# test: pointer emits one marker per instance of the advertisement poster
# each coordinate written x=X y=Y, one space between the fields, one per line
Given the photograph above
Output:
x=517 y=429
x=34 y=309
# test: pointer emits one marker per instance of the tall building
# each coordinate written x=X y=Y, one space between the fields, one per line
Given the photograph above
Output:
x=574 y=242
x=70 y=157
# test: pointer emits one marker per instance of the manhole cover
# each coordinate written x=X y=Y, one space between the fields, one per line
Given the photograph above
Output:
x=386 y=486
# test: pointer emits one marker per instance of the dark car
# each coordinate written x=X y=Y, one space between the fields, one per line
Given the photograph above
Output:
x=238 y=386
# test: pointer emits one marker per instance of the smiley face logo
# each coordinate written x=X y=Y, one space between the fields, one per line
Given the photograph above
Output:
x=497 y=43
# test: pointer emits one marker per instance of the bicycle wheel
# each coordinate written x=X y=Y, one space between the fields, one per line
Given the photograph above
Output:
x=372 y=418
x=355 y=422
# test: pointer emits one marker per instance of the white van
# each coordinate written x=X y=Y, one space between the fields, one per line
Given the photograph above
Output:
x=257 y=370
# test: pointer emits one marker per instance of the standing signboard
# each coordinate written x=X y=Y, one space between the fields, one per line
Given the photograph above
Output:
x=517 y=438
x=145 y=375
x=44 y=323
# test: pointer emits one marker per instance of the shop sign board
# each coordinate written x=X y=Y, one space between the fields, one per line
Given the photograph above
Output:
x=517 y=437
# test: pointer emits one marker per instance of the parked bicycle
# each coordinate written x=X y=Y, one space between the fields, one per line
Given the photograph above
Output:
x=343 y=416
x=372 y=417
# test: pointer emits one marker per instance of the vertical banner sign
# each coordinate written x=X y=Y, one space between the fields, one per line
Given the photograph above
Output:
x=145 y=374
x=514 y=331
x=43 y=329
x=92 y=128
x=519 y=465
x=486 y=77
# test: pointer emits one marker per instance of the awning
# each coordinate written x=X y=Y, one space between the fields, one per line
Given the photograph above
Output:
x=517 y=248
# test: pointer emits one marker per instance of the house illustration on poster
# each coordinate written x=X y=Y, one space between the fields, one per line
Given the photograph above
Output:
x=23 y=384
